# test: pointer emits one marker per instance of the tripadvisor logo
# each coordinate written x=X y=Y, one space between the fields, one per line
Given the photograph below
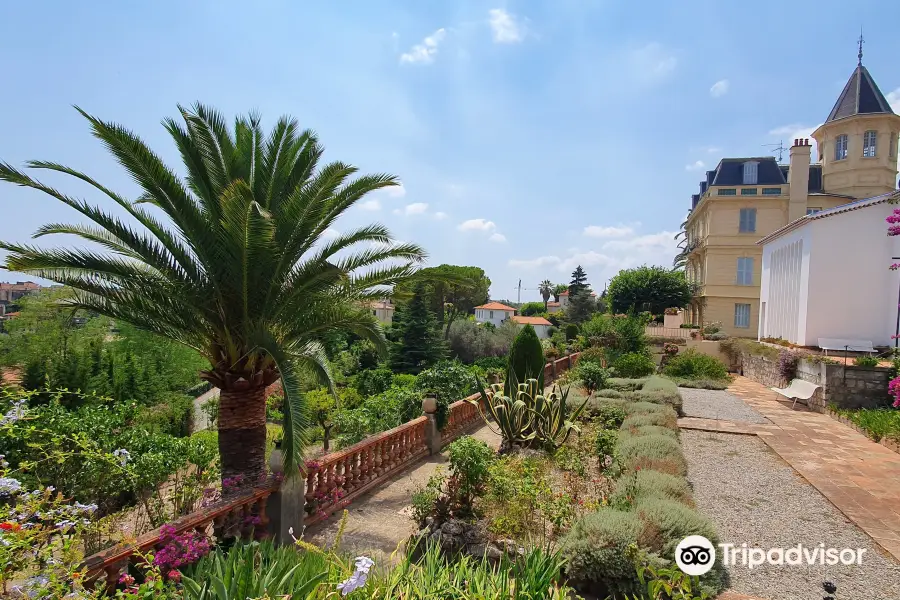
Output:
x=695 y=555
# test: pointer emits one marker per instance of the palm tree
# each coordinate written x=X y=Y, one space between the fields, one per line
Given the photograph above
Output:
x=245 y=269
x=546 y=289
x=558 y=289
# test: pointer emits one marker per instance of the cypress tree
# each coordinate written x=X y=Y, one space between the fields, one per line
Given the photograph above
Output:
x=418 y=343
x=526 y=359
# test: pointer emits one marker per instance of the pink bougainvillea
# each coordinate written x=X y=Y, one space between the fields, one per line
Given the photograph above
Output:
x=179 y=549
x=894 y=390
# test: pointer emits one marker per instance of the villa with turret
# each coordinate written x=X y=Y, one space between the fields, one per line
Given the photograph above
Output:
x=743 y=200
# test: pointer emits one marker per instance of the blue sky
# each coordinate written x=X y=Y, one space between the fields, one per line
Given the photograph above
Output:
x=530 y=136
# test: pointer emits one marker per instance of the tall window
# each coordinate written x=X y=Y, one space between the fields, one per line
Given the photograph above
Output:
x=840 y=147
x=742 y=315
x=870 y=139
x=492 y=315
x=751 y=170
x=748 y=221
x=745 y=271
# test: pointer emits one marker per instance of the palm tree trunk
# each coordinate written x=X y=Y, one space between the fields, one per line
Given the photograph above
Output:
x=242 y=434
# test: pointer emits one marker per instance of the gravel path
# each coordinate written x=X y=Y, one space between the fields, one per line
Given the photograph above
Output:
x=716 y=404
x=757 y=499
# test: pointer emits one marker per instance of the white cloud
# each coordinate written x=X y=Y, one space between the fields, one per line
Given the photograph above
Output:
x=440 y=216
x=893 y=99
x=424 y=53
x=603 y=262
x=713 y=149
x=541 y=261
x=477 y=225
x=719 y=88
x=697 y=166
x=330 y=233
x=371 y=205
x=416 y=208
x=607 y=232
x=505 y=27
x=497 y=237
x=653 y=63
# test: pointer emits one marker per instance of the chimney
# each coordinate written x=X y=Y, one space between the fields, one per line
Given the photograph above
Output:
x=798 y=178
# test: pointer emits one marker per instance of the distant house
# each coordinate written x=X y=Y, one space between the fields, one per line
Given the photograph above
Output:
x=540 y=324
x=10 y=292
x=383 y=310
x=553 y=307
x=825 y=275
x=493 y=312
x=563 y=302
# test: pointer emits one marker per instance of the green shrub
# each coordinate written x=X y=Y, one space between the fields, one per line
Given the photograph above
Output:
x=643 y=451
x=695 y=365
x=662 y=419
x=596 y=405
x=449 y=381
x=672 y=399
x=526 y=359
x=496 y=363
x=702 y=384
x=372 y=382
x=403 y=380
x=608 y=393
x=634 y=365
x=605 y=444
x=866 y=361
x=656 y=382
x=596 y=551
x=625 y=385
x=592 y=375
x=643 y=408
x=620 y=334
x=609 y=416
x=716 y=337
x=651 y=430
x=594 y=354
x=470 y=460
x=636 y=486
x=174 y=415
x=571 y=332
x=667 y=522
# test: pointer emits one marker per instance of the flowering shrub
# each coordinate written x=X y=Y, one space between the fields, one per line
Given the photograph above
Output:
x=894 y=390
x=787 y=364
x=670 y=349
x=179 y=550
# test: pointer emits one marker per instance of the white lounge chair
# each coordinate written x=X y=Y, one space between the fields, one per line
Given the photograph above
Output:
x=799 y=389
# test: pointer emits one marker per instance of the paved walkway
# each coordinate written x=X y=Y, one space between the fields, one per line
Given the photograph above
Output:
x=378 y=522
x=861 y=478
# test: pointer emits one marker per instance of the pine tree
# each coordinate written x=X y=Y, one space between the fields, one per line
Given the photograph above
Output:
x=579 y=281
x=418 y=343
x=526 y=359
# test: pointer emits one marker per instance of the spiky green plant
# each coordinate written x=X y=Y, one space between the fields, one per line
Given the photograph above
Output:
x=243 y=265
x=554 y=421
x=512 y=420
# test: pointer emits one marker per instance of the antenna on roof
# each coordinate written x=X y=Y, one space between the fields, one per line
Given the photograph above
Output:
x=779 y=148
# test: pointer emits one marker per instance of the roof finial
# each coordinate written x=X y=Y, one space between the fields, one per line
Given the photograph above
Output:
x=861 y=41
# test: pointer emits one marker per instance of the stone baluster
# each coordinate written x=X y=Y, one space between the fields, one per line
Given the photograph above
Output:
x=113 y=572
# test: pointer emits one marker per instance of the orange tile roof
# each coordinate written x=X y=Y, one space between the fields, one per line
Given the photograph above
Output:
x=553 y=304
x=496 y=306
x=531 y=320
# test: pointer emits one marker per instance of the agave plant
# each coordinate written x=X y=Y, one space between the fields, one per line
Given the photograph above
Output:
x=553 y=421
x=529 y=418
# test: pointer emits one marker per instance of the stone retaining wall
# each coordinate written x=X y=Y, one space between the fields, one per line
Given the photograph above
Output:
x=847 y=386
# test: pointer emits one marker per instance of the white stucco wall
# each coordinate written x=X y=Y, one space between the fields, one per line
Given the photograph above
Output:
x=844 y=288
x=483 y=315
x=852 y=293
x=542 y=331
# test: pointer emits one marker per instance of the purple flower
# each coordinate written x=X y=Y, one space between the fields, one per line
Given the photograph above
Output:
x=9 y=486
x=18 y=411
x=358 y=579
x=123 y=455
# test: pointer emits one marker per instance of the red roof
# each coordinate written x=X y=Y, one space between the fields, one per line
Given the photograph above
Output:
x=496 y=306
x=531 y=320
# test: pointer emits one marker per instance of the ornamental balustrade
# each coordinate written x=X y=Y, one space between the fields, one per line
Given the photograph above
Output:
x=330 y=483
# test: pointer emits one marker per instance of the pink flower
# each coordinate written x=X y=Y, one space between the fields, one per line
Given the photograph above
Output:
x=126 y=579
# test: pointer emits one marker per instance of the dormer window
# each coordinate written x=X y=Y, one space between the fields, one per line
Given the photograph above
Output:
x=840 y=147
x=869 y=141
x=751 y=170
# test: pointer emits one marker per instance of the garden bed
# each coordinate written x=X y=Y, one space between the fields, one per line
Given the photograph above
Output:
x=881 y=425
